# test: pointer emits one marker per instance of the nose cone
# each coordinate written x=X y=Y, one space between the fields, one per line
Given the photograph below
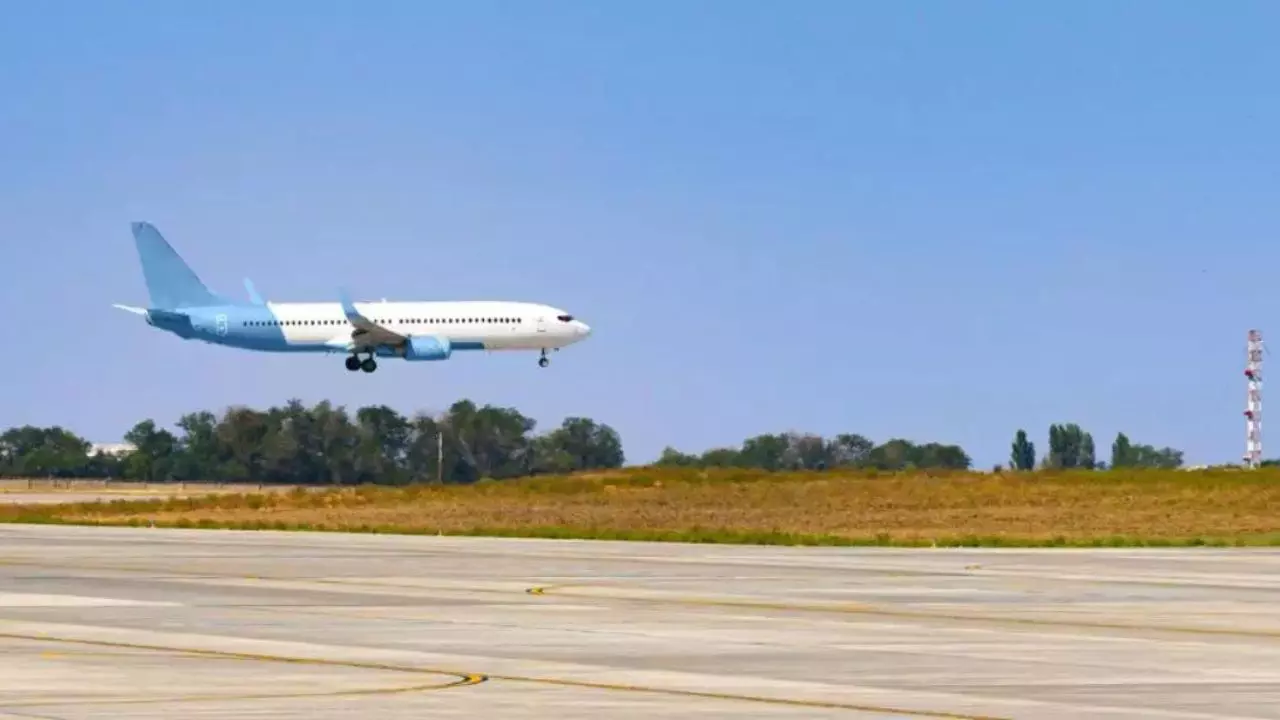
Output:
x=581 y=328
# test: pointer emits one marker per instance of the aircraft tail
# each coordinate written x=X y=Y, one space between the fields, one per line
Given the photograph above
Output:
x=170 y=282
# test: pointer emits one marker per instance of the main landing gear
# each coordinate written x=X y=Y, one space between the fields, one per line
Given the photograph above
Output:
x=368 y=364
x=544 y=361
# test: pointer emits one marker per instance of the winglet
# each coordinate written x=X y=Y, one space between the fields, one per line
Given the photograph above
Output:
x=349 y=309
x=253 y=294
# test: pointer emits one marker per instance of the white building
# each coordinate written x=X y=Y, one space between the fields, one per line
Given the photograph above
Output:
x=113 y=449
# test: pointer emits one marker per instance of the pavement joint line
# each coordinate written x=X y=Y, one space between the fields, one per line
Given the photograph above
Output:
x=463 y=679
x=792 y=702
x=468 y=677
x=471 y=680
x=872 y=610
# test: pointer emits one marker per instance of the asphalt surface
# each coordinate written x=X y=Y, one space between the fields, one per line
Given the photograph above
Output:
x=150 y=623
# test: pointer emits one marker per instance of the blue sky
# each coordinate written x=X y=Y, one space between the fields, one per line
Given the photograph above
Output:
x=939 y=221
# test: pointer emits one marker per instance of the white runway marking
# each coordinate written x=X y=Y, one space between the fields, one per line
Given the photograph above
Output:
x=10 y=599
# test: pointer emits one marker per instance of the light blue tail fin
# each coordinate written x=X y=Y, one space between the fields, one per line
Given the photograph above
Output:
x=170 y=282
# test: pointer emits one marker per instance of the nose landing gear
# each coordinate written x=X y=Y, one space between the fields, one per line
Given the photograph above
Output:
x=544 y=361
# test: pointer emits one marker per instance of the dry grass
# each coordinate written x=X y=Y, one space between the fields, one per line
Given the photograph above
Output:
x=1087 y=508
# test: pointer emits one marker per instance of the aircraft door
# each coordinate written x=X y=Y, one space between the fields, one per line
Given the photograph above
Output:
x=541 y=324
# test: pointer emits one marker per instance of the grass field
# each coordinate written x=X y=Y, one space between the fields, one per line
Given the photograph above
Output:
x=1114 y=508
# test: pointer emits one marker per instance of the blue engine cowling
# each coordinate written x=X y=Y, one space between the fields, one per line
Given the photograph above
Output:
x=428 y=348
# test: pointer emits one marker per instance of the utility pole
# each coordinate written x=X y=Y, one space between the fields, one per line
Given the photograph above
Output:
x=1253 y=407
x=440 y=457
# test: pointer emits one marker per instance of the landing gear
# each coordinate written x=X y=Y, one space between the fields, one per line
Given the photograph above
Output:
x=544 y=361
x=368 y=364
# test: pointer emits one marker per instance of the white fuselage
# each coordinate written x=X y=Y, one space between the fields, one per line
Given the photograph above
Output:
x=468 y=325
x=415 y=331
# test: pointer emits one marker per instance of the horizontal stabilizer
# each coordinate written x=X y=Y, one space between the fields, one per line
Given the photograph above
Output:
x=130 y=308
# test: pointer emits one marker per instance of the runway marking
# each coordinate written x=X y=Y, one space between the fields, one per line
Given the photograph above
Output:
x=464 y=679
x=872 y=610
x=240 y=697
x=14 y=599
x=822 y=704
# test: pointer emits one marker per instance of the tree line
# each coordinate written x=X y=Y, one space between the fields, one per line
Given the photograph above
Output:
x=805 y=451
x=325 y=444
x=1071 y=447
x=322 y=444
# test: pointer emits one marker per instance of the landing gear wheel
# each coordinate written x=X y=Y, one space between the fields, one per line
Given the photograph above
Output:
x=353 y=363
x=543 y=361
x=369 y=365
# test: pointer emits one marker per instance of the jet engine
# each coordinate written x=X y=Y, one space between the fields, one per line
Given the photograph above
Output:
x=427 y=348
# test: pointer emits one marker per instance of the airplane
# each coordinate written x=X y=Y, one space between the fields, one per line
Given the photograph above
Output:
x=414 y=331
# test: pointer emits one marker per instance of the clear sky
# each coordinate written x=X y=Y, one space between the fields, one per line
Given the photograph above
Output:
x=938 y=221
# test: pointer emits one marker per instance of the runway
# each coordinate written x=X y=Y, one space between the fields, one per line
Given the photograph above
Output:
x=151 y=623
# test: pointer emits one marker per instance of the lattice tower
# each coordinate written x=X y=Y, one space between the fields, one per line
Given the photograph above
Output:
x=1253 y=407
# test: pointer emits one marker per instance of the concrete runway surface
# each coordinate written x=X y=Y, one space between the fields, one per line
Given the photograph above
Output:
x=149 y=623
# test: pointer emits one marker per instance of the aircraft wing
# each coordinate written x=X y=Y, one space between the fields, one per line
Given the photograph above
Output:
x=367 y=333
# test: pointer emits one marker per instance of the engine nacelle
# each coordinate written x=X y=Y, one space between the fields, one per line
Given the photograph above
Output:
x=428 y=348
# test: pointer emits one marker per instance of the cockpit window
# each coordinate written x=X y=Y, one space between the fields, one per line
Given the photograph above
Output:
x=565 y=318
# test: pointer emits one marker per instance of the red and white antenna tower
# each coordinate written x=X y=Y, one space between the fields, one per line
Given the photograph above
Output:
x=1253 y=409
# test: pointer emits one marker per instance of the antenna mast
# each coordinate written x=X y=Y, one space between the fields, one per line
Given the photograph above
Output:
x=1253 y=408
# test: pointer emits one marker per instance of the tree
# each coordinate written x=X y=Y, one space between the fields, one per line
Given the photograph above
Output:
x=1070 y=447
x=586 y=444
x=1126 y=454
x=850 y=450
x=809 y=451
x=1023 y=454
x=1087 y=458
x=155 y=453
x=422 y=453
x=721 y=457
x=200 y=454
x=1121 y=451
x=382 y=445
x=901 y=454
x=43 y=452
x=674 y=458
x=487 y=441
x=767 y=452
x=942 y=457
